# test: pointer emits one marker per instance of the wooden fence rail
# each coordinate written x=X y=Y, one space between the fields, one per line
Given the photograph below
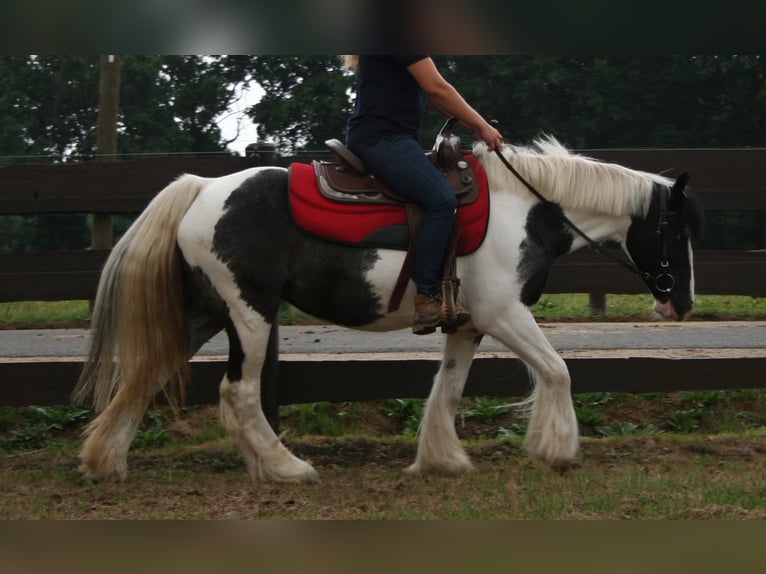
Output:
x=722 y=178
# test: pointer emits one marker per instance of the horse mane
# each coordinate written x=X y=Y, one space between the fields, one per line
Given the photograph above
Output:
x=573 y=181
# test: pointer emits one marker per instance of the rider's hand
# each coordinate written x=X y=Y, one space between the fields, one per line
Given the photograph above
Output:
x=490 y=136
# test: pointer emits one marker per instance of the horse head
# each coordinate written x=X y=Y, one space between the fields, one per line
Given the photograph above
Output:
x=660 y=245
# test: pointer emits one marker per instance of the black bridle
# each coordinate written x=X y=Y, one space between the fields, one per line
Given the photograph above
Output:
x=663 y=281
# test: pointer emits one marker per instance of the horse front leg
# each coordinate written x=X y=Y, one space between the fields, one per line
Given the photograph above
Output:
x=241 y=409
x=439 y=449
x=552 y=433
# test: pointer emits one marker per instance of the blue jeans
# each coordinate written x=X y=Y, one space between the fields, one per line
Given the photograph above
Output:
x=400 y=163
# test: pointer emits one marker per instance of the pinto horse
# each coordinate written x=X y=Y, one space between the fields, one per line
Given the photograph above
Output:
x=221 y=253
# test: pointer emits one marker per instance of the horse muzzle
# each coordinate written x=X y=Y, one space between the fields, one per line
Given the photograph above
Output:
x=667 y=311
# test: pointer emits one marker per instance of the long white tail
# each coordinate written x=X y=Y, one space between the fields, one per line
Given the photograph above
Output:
x=139 y=335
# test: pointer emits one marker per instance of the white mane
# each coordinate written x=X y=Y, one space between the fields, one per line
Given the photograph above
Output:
x=575 y=182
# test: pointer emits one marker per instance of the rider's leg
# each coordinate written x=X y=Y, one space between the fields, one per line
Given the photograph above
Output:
x=400 y=163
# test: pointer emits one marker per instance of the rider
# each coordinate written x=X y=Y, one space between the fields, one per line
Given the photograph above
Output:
x=384 y=130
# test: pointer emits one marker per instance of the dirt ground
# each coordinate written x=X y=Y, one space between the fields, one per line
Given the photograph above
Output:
x=363 y=478
x=693 y=476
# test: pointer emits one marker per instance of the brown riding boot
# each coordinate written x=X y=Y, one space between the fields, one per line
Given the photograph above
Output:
x=428 y=314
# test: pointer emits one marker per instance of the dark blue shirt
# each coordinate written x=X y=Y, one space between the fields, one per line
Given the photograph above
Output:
x=389 y=101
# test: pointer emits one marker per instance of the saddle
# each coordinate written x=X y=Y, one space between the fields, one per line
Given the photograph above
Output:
x=347 y=180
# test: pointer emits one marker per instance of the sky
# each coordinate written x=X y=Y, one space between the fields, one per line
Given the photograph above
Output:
x=235 y=119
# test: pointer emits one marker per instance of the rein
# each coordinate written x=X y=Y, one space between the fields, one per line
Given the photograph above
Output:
x=664 y=282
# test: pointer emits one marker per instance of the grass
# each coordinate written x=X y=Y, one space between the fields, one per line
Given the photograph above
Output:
x=575 y=306
x=26 y=314
x=558 y=307
x=638 y=462
x=706 y=413
x=677 y=477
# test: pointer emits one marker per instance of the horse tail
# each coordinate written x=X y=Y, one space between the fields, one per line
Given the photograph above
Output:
x=139 y=337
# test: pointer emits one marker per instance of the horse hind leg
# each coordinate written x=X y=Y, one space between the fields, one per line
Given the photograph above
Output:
x=109 y=436
x=240 y=403
x=104 y=452
x=439 y=448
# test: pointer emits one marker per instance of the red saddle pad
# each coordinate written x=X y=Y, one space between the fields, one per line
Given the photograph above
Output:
x=361 y=224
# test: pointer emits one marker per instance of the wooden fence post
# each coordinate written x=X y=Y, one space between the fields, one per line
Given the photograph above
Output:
x=597 y=303
x=102 y=231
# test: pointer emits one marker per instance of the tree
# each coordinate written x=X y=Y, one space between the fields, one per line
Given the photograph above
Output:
x=48 y=105
x=586 y=101
x=170 y=103
x=307 y=100
x=49 y=108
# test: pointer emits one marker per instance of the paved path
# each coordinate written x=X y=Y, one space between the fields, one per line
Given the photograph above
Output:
x=750 y=335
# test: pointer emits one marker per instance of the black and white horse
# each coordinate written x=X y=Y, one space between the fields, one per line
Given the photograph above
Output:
x=213 y=254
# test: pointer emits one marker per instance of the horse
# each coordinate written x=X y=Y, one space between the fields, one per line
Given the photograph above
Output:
x=213 y=254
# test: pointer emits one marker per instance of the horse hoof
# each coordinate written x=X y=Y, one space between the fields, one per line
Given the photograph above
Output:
x=118 y=474
x=306 y=474
x=564 y=466
x=456 y=469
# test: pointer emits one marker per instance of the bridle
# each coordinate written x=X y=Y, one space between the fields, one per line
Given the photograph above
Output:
x=662 y=230
x=664 y=281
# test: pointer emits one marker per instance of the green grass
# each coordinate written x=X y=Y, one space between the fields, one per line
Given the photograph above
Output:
x=30 y=313
x=559 y=307
x=575 y=306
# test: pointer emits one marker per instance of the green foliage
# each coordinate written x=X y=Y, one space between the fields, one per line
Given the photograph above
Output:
x=588 y=407
x=151 y=433
x=699 y=404
x=585 y=101
x=150 y=438
x=514 y=431
x=407 y=412
x=312 y=418
x=485 y=408
x=48 y=105
x=37 y=427
x=618 y=429
x=171 y=103
x=685 y=421
x=306 y=100
x=167 y=104
x=7 y=418
x=604 y=101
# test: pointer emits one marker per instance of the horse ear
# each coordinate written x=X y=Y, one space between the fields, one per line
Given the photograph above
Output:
x=676 y=192
x=681 y=182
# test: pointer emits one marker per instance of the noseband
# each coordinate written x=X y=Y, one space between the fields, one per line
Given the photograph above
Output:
x=664 y=281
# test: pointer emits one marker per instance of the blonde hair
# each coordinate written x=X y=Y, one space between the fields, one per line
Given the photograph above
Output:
x=350 y=62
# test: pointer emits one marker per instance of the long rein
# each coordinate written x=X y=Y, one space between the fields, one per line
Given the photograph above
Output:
x=629 y=265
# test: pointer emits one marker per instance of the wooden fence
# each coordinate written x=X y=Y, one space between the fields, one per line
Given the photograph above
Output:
x=724 y=179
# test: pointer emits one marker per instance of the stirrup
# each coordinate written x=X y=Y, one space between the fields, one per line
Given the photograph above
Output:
x=453 y=317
